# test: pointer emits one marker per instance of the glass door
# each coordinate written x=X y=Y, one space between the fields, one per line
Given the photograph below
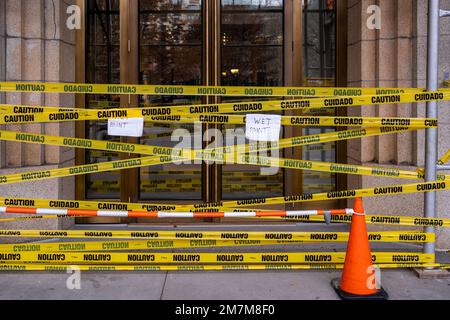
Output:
x=103 y=66
x=252 y=46
x=205 y=42
x=170 y=53
x=319 y=66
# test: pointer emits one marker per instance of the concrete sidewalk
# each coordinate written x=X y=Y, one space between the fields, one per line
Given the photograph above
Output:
x=229 y=285
x=235 y=285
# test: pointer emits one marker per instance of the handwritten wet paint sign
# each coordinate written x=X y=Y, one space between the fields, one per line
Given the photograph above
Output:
x=262 y=127
x=128 y=127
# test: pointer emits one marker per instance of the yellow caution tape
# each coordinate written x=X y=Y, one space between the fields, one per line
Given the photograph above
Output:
x=84 y=169
x=188 y=239
x=244 y=159
x=213 y=113
x=165 y=151
x=199 y=267
x=371 y=219
x=103 y=104
x=233 y=107
x=323 y=147
x=31 y=218
x=41 y=87
x=193 y=257
x=240 y=204
x=182 y=187
x=330 y=167
x=98 y=205
x=24 y=109
x=237 y=237
x=183 y=155
x=444 y=158
x=322 y=121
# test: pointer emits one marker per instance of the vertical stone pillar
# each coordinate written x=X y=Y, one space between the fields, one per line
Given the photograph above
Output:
x=361 y=73
x=14 y=43
x=60 y=67
x=386 y=74
x=395 y=56
x=38 y=47
x=32 y=55
x=404 y=143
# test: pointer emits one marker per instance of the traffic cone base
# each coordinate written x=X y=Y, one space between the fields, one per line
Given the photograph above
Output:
x=381 y=294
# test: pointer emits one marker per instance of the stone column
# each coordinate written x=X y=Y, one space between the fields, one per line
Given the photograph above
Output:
x=395 y=56
x=39 y=47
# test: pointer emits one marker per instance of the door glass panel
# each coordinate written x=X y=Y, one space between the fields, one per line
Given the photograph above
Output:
x=252 y=4
x=251 y=55
x=170 y=53
x=102 y=66
x=319 y=18
x=169 y=5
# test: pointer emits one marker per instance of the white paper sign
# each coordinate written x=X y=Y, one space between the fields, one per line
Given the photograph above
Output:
x=130 y=127
x=262 y=127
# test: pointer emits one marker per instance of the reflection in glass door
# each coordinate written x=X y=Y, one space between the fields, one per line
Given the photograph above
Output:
x=170 y=53
x=319 y=53
x=251 y=55
x=102 y=66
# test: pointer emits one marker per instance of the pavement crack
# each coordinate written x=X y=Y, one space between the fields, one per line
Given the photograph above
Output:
x=164 y=286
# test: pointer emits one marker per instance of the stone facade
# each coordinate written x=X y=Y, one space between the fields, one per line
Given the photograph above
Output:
x=395 y=56
x=35 y=46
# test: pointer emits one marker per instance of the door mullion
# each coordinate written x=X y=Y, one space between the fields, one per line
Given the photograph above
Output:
x=293 y=57
x=216 y=169
x=129 y=74
x=211 y=173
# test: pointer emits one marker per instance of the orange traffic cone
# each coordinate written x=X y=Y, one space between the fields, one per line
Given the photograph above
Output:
x=358 y=271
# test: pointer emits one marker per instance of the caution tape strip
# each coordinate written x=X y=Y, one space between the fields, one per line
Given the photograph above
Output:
x=184 y=155
x=84 y=169
x=237 y=236
x=208 y=109
x=41 y=87
x=236 y=204
x=312 y=121
x=198 y=267
x=214 y=113
x=197 y=188
x=244 y=159
x=171 y=183
x=323 y=147
x=331 y=167
x=101 y=205
x=372 y=219
x=317 y=121
x=444 y=158
x=168 y=151
x=319 y=237
x=30 y=218
x=193 y=257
